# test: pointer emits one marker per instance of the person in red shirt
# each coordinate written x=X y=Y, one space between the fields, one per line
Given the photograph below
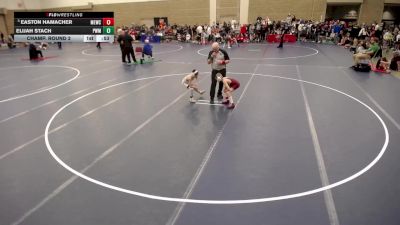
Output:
x=230 y=85
x=243 y=29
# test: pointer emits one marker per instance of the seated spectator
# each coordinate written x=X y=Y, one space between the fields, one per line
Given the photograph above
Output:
x=353 y=47
x=372 y=50
x=345 y=40
x=394 y=63
x=361 y=48
x=348 y=42
x=382 y=64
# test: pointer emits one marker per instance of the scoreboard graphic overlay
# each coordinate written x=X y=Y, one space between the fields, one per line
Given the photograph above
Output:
x=64 y=26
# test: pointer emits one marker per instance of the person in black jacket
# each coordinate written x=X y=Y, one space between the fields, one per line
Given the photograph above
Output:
x=34 y=52
x=121 y=34
x=282 y=37
x=127 y=47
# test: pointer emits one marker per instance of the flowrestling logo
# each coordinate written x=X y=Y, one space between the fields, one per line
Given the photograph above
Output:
x=63 y=15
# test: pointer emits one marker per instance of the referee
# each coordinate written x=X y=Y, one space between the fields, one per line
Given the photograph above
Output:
x=218 y=58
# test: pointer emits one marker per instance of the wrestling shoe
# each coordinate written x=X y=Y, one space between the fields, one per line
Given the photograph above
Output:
x=192 y=100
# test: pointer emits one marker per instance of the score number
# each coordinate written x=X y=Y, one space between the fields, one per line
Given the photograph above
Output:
x=108 y=30
x=108 y=21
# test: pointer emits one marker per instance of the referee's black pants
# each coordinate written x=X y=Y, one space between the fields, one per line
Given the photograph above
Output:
x=214 y=83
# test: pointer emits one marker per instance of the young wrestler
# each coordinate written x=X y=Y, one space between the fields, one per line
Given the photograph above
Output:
x=190 y=82
x=230 y=85
x=147 y=49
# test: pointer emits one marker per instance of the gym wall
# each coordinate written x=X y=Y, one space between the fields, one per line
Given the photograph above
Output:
x=3 y=26
x=228 y=10
x=278 y=10
x=177 y=11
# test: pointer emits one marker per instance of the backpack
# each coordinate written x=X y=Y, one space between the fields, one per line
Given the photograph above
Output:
x=361 y=67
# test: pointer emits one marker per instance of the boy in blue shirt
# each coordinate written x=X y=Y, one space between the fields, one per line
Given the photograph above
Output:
x=147 y=50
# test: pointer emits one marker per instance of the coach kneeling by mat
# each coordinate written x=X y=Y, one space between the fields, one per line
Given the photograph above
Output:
x=33 y=52
x=218 y=58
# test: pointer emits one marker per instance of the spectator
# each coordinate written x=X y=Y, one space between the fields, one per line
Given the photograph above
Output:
x=128 y=48
x=394 y=63
x=363 y=33
x=382 y=64
x=120 y=40
x=11 y=43
x=388 y=38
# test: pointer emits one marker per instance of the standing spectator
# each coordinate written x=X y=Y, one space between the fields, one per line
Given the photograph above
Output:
x=397 y=43
x=209 y=33
x=199 y=30
x=281 y=39
x=398 y=37
x=218 y=59
x=128 y=49
x=363 y=33
x=2 y=37
x=388 y=37
x=258 y=30
x=187 y=37
x=120 y=40
x=11 y=43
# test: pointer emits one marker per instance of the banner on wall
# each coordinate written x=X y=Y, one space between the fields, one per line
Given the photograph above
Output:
x=161 y=22
x=352 y=14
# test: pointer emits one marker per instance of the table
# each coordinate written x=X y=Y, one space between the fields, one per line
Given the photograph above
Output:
x=286 y=38
x=153 y=39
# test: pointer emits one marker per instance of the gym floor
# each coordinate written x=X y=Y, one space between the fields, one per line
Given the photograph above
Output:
x=87 y=140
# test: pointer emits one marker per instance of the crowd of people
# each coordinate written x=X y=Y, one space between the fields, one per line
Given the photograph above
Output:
x=360 y=39
x=365 y=41
x=9 y=40
x=333 y=31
